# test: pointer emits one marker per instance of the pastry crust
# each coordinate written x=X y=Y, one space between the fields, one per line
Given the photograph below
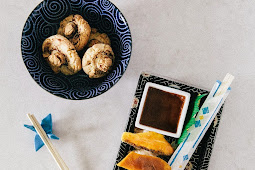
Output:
x=135 y=161
x=76 y=29
x=61 y=55
x=98 y=60
x=151 y=141
x=98 y=38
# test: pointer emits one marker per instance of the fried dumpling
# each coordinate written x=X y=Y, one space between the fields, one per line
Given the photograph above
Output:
x=135 y=161
x=151 y=141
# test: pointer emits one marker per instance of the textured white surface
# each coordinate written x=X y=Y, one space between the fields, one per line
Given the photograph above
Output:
x=195 y=41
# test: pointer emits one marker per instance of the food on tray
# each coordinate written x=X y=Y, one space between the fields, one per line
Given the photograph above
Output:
x=98 y=38
x=138 y=130
x=135 y=161
x=98 y=60
x=61 y=55
x=144 y=152
x=152 y=141
x=162 y=110
x=76 y=29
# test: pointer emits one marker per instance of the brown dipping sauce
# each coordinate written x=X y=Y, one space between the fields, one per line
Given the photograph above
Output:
x=162 y=110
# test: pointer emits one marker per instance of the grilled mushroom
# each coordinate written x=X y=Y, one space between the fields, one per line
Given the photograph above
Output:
x=98 y=60
x=61 y=55
x=98 y=38
x=76 y=29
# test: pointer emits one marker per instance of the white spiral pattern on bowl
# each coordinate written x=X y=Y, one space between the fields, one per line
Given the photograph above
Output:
x=53 y=82
x=53 y=10
x=92 y=13
x=28 y=44
x=106 y=5
x=44 y=22
x=108 y=23
x=28 y=26
x=104 y=86
x=43 y=29
x=32 y=63
x=76 y=3
x=125 y=45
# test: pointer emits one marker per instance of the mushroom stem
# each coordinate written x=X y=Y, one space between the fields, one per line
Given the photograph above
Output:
x=70 y=29
x=56 y=59
x=103 y=63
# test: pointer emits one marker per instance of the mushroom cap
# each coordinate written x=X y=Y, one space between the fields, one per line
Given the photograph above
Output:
x=76 y=29
x=61 y=55
x=98 y=38
x=98 y=60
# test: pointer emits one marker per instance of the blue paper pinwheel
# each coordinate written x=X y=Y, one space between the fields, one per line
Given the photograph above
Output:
x=47 y=127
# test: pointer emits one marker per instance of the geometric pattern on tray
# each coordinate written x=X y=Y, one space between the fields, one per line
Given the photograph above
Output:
x=201 y=157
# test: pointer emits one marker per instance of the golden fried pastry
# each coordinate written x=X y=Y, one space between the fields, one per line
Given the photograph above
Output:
x=98 y=38
x=151 y=141
x=61 y=55
x=98 y=60
x=135 y=161
x=76 y=29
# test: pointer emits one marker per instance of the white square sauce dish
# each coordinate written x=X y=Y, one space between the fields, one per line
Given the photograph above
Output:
x=162 y=109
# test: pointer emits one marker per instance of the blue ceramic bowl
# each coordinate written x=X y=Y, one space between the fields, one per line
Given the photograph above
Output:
x=44 y=21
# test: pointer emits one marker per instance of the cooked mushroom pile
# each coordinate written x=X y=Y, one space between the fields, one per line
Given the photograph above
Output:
x=75 y=34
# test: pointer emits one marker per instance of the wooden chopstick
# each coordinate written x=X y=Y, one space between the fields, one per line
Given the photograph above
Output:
x=62 y=165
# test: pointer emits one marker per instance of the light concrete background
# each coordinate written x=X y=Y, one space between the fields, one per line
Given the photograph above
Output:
x=195 y=41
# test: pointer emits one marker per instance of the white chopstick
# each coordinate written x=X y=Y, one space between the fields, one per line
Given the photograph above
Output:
x=225 y=84
x=184 y=152
x=62 y=165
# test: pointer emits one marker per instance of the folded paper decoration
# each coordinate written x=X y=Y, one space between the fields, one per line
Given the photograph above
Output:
x=47 y=127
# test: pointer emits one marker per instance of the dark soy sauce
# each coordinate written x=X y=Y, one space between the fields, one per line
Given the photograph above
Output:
x=162 y=110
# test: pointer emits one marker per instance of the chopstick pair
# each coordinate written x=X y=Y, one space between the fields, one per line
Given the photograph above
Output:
x=62 y=165
x=204 y=118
